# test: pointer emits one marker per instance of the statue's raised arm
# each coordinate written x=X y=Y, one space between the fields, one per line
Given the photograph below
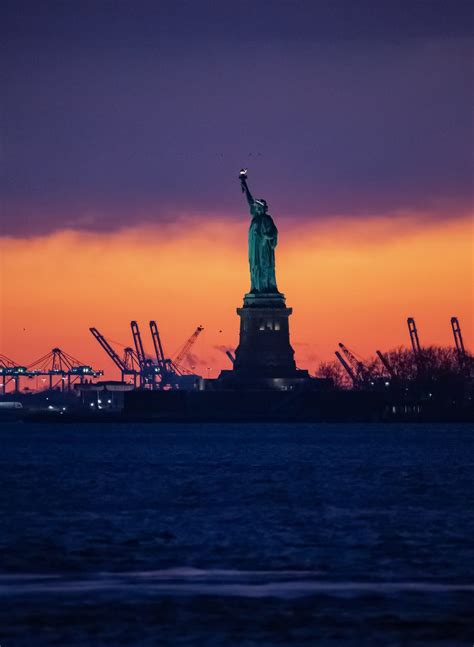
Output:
x=245 y=189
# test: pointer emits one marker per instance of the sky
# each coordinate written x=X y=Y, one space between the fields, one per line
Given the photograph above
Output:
x=123 y=128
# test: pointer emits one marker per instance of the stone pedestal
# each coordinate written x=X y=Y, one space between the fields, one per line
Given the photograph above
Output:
x=264 y=356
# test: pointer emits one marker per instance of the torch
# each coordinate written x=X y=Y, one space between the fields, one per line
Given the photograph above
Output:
x=243 y=177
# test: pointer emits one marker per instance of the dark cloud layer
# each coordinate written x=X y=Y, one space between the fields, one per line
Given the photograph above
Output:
x=116 y=113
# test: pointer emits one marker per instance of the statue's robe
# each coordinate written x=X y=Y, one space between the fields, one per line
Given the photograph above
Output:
x=263 y=238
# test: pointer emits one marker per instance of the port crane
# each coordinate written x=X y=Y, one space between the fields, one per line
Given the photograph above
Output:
x=137 y=340
x=171 y=370
x=158 y=346
x=415 y=344
x=415 y=341
x=386 y=364
x=168 y=371
x=10 y=370
x=184 y=352
x=362 y=373
x=135 y=361
x=65 y=367
x=458 y=340
x=128 y=365
x=149 y=371
x=465 y=360
x=230 y=354
x=130 y=361
x=348 y=368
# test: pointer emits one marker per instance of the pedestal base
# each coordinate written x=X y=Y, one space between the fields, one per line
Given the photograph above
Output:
x=264 y=356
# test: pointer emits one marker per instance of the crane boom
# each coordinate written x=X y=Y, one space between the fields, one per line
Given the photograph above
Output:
x=155 y=335
x=458 y=340
x=386 y=364
x=415 y=341
x=362 y=373
x=347 y=368
x=137 y=340
x=108 y=349
x=6 y=361
x=187 y=346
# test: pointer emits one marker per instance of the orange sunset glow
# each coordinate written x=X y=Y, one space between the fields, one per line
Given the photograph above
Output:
x=354 y=282
x=236 y=322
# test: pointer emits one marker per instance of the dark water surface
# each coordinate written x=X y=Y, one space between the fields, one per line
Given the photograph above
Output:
x=236 y=535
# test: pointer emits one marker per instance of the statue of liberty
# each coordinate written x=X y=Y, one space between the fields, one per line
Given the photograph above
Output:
x=263 y=238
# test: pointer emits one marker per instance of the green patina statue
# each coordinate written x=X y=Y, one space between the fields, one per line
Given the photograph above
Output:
x=263 y=238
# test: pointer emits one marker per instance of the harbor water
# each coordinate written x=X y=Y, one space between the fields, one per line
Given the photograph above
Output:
x=228 y=535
